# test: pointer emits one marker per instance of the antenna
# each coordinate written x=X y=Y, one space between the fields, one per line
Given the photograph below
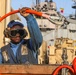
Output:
x=51 y=1
x=33 y=3
x=74 y=7
x=46 y=0
x=37 y=2
x=74 y=0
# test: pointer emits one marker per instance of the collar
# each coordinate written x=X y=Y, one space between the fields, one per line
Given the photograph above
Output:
x=15 y=45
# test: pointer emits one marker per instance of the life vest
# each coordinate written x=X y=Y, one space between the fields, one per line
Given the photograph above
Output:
x=24 y=55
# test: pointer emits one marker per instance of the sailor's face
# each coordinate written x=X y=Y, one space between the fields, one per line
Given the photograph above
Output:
x=15 y=38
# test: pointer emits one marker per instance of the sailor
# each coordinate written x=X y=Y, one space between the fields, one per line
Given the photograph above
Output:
x=20 y=50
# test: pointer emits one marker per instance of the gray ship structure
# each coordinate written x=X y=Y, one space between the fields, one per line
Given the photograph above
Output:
x=59 y=35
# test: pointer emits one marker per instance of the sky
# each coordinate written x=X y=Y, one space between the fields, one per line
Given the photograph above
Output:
x=66 y=4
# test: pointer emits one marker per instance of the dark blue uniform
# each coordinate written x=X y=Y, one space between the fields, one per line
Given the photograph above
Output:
x=26 y=51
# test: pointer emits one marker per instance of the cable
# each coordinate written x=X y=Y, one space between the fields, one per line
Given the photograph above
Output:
x=17 y=11
x=28 y=10
x=63 y=66
x=74 y=65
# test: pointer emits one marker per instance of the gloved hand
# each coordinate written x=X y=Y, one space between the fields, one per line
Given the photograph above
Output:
x=22 y=11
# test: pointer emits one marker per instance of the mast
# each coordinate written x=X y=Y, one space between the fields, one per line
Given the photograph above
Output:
x=74 y=7
x=37 y=2
x=51 y=1
x=46 y=0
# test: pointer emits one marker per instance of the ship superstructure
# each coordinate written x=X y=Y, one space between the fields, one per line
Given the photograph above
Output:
x=57 y=38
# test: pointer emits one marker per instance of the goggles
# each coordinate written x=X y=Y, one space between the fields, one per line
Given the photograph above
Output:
x=21 y=32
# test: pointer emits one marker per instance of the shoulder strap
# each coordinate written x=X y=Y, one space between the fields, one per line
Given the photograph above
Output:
x=5 y=53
